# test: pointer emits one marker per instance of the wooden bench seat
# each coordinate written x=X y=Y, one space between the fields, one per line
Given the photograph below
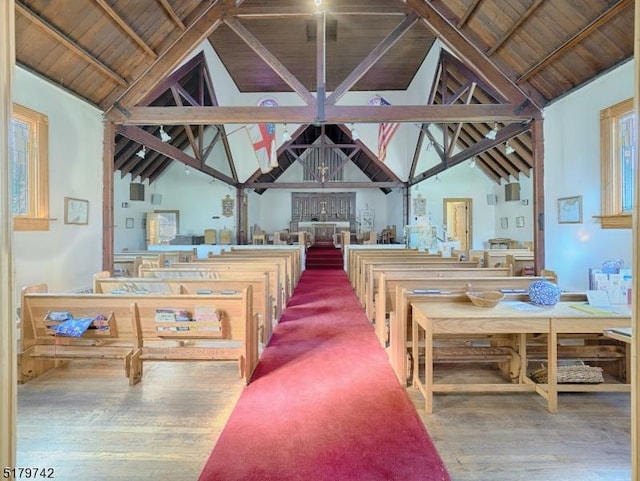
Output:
x=131 y=330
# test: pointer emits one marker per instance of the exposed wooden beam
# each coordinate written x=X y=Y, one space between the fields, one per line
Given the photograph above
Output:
x=192 y=139
x=321 y=62
x=458 y=128
x=325 y=185
x=108 y=146
x=485 y=144
x=523 y=18
x=371 y=59
x=270 y=59
x=577 y=38
x=467 y=14
x=172 y=13
x=227 y=150
x=127 y=28
x=302 y=10
x=9 y=344
x=71 y=44
x=169 y=60
x=335 y=114
x=168 y=150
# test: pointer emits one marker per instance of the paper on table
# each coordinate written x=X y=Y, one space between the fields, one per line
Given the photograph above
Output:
x=522 y=306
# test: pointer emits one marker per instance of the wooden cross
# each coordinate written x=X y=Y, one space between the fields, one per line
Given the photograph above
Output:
x=323 y=171
x=323 y=209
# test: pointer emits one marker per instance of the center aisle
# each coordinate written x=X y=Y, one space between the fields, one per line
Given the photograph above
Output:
x=324 y=403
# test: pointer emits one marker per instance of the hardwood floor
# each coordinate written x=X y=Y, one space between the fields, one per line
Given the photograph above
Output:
x=85 y=421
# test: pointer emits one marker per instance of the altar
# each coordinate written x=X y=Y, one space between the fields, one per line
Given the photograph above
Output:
x=323 y=231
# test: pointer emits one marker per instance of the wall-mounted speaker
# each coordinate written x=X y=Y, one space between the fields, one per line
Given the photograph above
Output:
x=512 y=191
x=492 y=199
x=136 y=191
x=156 y=199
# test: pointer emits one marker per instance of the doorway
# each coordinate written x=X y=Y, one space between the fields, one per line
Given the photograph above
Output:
x=458 y=220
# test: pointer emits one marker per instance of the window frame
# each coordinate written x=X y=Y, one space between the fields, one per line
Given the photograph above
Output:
x=612 y=215
x=37 y=219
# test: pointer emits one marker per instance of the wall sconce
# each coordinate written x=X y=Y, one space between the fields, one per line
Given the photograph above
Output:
x=142 y=153
x=491 y=135
x=286 y=136
x=508 y=149
x=354 y=133
x=164 y=137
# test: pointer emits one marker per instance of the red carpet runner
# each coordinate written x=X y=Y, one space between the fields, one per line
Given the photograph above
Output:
x=324 y=404
x=323 y=257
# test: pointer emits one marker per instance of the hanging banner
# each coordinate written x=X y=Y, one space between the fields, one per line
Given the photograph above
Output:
x=263 y=140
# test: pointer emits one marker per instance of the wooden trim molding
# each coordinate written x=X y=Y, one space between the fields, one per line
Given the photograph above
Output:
x=619 y=221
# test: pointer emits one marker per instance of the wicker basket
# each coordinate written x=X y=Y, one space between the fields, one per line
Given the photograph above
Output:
x=578 y=373
x=485 y=298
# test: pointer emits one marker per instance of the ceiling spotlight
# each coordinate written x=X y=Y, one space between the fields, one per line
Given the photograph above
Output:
x=508 y=149
x=165 y=137
x=491 y=135
x=142 y=153
x=473 y=162
x=286 y=136
x=354 y=133
x=186 y=170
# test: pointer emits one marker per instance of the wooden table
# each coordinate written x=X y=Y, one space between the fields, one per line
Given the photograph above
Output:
x=465 y=318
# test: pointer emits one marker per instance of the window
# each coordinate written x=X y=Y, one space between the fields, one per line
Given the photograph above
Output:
x=618 y=144
x=28 y=153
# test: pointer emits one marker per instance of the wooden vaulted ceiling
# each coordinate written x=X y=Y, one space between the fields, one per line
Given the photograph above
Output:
x=502 y=63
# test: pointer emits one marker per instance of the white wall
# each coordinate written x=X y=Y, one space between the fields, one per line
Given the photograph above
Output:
x=460 y=182
x=513 y=209
x=196 y=196
x=66 y=256
x=572 y=167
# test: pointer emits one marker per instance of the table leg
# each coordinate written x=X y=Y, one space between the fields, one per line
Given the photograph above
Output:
x=552 y=369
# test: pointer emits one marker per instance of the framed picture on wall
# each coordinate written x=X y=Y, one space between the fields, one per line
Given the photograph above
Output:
x=76 y=211
x=570 y=210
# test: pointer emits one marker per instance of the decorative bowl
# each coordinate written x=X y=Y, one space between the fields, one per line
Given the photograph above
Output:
x=485 y=298
x=544 y=293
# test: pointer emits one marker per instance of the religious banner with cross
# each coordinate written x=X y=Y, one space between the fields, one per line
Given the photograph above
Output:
x=264 y=141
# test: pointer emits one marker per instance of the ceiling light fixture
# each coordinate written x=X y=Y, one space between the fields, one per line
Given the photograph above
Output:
x=491 y=135
x=473 y=162
x=317 y=3
x=142 y=153
x=429 y=145
x=354 y=133
x=508 y=149
x=286 y=136
x=186 y=170
x=165 y=137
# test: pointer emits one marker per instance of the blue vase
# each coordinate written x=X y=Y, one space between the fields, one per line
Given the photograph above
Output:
x=544 y=293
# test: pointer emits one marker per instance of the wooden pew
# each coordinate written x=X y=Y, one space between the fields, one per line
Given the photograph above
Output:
x=212 y=271
x=352 y=252
x=367 y=265
x=237 y=338
x=520 y=262
x=130 y=330
x=295 y=253
x=261 y=299
x=128 y=264
x=41 y=349
x=498 y=257
x=249 y=263
x=292 y=260
x=397 y=271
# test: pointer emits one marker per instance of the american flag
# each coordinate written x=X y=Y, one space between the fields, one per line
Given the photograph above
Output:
x=385 y=132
